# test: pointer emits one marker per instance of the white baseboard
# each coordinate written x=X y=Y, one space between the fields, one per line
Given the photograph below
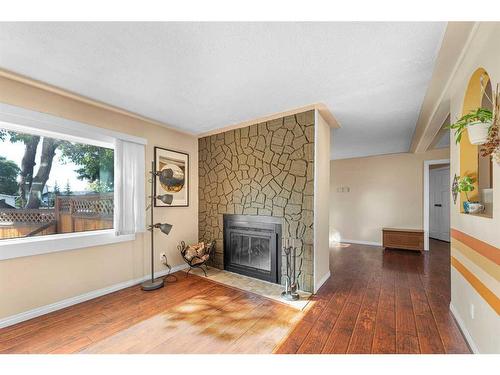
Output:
x=21 y=317
x=464 y=330
x=362 y=242
x=322 y=281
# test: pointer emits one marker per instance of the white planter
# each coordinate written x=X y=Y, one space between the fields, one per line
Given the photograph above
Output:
x=478 y=132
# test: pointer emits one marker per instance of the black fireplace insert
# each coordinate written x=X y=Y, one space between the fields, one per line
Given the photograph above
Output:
x=252 y=246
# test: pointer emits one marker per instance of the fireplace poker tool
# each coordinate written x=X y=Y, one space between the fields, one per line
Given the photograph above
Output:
x=292 y=276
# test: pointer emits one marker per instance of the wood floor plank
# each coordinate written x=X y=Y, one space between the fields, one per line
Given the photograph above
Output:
x=313 y=311
x=340 y=336
x=76 y=345
x=362 y=336
x=204 y=315
x=219 y=336
x=318 y=335
x=340 y=333
x=180 y=319
x=449 y=331
x=379 y=301
x=406 y=328
x=430 y=341
x=51 y=338
x=266 y=333
x=384 y=341
x=399 y=326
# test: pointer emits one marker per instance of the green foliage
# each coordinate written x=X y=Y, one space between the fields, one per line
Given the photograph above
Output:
x=479 y=115
x=94 y=164
x=19 y=202
x=67 y=188
x=465 y=185
x=99 y=186
x=57 y=189
x=8 y=176
x=97 y=163
x=16 y=137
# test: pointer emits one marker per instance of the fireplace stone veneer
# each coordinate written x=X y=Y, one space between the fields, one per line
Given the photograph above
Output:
x=265 y=169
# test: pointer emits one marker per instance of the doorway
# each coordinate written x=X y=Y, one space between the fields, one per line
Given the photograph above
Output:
x=439 y=202
x=428 y=165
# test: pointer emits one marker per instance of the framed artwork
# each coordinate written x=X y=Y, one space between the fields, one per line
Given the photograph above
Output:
x=178 y=184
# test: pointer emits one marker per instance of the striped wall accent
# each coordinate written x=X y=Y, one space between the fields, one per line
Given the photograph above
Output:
x=483 y=248
x=479 y=263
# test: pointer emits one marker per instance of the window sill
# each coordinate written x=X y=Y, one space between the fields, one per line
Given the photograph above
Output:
x=23 y=247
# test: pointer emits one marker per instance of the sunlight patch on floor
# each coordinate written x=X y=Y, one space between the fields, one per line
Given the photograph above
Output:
x=207 y=323
x=339 y=245
x=249 y=284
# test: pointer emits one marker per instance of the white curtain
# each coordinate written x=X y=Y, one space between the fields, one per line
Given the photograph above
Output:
x=130 y=209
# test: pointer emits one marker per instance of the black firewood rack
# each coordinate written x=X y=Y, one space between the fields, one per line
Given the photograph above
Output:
x=197 y=261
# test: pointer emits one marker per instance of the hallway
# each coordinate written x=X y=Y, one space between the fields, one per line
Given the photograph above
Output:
x=381 y=301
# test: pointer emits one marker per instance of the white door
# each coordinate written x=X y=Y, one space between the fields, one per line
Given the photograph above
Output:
x=439 y=210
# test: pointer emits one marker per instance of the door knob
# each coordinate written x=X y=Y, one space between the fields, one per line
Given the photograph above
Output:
x=438 y=205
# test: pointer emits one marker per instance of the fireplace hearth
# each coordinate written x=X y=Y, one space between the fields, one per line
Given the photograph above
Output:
x=252 y=246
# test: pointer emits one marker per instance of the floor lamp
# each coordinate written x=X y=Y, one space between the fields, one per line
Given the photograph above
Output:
x=165 y=228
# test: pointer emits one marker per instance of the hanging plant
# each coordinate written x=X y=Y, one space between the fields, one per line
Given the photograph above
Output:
x=478 y=124
x=492 y=145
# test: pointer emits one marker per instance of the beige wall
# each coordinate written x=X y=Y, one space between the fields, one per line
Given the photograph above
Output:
x=385 y=191
x=31 y=282
x=321 y=201
x=482 y=330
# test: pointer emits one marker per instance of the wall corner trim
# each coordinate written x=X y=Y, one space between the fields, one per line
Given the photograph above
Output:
x=322 y=281
x=30 y=314
x=463 y=329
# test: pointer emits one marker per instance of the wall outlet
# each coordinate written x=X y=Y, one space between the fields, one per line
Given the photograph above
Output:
x=163 y=258
x=472 y=312
x=343 y=189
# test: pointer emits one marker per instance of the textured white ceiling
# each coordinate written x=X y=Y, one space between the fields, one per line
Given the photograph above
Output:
x=203 y=76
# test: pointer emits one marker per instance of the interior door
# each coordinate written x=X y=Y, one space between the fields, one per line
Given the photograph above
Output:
x=439 y=200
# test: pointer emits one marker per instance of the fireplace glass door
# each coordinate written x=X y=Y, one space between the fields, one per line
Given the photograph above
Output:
x=251 y=246
x=251 y=251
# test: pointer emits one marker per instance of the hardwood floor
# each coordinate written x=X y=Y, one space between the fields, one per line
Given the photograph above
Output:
x=381 y=301
x=192 y=315
x=376 y=302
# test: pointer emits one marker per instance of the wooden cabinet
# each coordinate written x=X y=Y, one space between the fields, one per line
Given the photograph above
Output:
x=401 y=238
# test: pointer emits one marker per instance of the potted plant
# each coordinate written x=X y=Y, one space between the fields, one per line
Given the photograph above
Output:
x=478 y=124
x=466 y=185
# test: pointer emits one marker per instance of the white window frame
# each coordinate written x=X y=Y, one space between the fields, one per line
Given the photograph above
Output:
x=23 y=120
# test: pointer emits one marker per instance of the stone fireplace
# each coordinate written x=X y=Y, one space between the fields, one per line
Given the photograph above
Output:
x=252 y=246
x=265 y=169
x=277 y=169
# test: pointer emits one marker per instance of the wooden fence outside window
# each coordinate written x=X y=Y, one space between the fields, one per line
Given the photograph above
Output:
x=77 y=213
